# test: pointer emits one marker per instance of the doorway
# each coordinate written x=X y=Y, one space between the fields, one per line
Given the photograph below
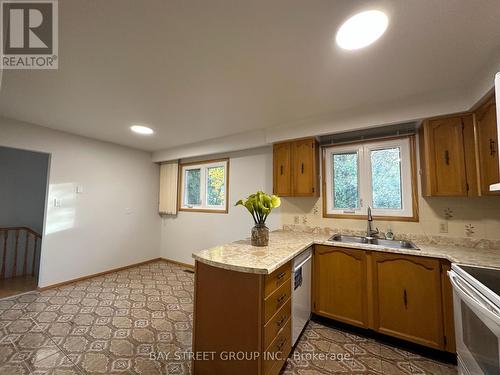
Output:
x=23 y=193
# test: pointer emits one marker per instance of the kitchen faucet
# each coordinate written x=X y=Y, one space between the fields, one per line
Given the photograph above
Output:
x=370 y=233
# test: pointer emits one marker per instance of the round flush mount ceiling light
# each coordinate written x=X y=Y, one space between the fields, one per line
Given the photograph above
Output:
x=362 y=29
x=140 y=129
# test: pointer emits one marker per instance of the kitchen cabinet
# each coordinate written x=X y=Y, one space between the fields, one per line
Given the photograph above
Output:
x=404 y=296
x=448 y=158
x=407 y=298
x=242 y=312
x=295 y=168
x=282 y=170
x=340 y=284
x=487 y=145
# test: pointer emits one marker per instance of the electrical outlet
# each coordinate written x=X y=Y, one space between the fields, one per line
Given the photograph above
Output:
x=443 y=227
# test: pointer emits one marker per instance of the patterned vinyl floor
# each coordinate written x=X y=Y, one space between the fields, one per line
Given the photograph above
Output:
x=111 y=324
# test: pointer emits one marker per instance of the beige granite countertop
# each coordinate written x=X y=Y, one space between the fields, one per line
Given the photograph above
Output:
x=285 y=245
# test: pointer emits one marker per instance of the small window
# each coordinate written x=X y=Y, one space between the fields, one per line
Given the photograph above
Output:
x=377 y=174
x=345 y=180
x=386 y=178
x=204 y=186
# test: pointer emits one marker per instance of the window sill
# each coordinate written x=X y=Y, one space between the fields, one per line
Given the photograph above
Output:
x=205 y=210
x=413 y=218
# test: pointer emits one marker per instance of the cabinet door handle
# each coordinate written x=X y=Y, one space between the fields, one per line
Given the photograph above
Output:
x=447 y=157
x=405 y=299
x=281 y=275
x=281 y=321
x=281 y=299
x=280 y=345
x=281 y=170
x=302 y=168
x=492 y=147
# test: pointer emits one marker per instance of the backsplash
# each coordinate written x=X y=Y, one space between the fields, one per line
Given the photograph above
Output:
x=466 y=220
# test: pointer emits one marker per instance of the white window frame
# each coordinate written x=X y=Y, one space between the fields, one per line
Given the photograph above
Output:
x=203 y=167
x=365 y=194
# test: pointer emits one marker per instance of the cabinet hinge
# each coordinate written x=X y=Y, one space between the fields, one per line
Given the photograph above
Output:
x=467 y=186
x=313 y=190
x=445 y=340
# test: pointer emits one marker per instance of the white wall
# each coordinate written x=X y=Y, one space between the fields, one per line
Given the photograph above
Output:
x=23 y=184
x=231 y=143
x=250 y=171
x=114 y=222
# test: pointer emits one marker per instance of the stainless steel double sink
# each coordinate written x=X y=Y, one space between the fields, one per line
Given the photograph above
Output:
x=393 y=244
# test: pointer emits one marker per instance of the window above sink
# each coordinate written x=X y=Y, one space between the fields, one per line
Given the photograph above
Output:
x=380 y=174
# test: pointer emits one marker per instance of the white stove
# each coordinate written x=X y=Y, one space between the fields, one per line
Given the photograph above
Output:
x=476 y=303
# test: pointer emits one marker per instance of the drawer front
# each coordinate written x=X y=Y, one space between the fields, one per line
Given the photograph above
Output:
x=277 y=322
x=276 y=300
x=277 y=353
x=277 y=278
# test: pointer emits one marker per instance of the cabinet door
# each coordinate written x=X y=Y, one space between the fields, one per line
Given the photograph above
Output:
x=304 y=167
x=407 y=298
x=282 y=169
x=446 y=157
x=486 y=127
x=340 y=284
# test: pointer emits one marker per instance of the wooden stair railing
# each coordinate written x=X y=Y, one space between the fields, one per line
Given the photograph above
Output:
x=30 y=237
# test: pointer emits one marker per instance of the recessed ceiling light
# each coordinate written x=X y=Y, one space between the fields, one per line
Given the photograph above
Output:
x=362 y=29
x=140 y=129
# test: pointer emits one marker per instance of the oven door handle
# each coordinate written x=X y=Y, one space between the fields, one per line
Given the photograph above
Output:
x=472 y=300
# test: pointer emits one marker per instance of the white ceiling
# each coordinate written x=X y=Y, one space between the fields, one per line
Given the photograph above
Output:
x=198 y=70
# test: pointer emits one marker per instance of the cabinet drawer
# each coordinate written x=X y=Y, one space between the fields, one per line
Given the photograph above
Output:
x=277 y=322
x=277 y=278
x=276 y=300
x=277 y=353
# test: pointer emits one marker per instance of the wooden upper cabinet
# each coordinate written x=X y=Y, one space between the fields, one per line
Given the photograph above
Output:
x=407 y=298
x=487 y=143
x=282 y=175
x=305 y=173
x=340 y=284
x=295 y=171
x=448 y=157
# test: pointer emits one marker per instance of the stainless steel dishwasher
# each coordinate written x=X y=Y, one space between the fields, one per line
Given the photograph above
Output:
x=301 y=294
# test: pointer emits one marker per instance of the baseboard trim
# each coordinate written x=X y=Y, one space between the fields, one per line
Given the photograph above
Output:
x=41 y=289
x=186 y=265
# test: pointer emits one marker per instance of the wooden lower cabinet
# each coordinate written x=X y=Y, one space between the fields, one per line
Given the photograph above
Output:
x=241 y=313
x=404 y=296
x=340 y=284
x=407 y=298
